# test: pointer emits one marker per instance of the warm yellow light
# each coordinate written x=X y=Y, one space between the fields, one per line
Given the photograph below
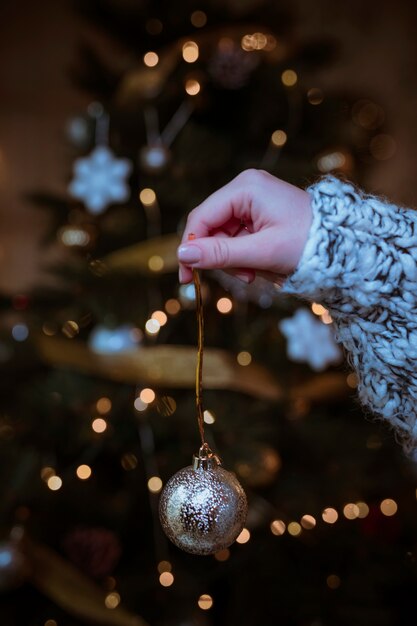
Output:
x=277 y=527
x=172 y=306
x=152 y=327
x=351 y=511
x=279 y=138
x=363 y=509
x=190 y=52
x=70 y=329
x=222 y=555
x=244 y=536
x=99 y=425
x=140 y=405
x=164 y=566
x=154 y=484
x=147 y=395
x=54 y=483
x=308 y=522
x=166 y=579
x=47 y=472
x=192 y=87
x=289 y=78
x=224 y=305
x=160 y=317
x=112 y=600
x=318 y=309
x=388 y=507
x=49 y=329
x=147 y=196
x=294 y=529
x=103 y=405
x=256 y=41
x=129 y=461
x=205 y=602
x=198 y=19
x=333 y=581
x=156 y=263
x=326 y=318
x=84 y=472
x=352 y=380
x=209 y=418
x=330 y=516
x=50 y=622
x=315 y=96
x=244 y=358
x=151 y=59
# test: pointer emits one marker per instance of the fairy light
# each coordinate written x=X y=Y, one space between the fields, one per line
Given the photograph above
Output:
x=294 y=529
x=326 y=318
x=129 y=461
x=315 y=96
x=351 y=511
x=198 y=19
x=205 y=602
x=352 y=380
x=70 y=329
x=103 y=405
x=156 y=263
x=46 y=473
x=54 y=483
x=140 y=405
x=363 y=509
x=99 y=425
x=388 y=507
x=224 y=305
x=147 y=196
x=279 y=138
x=255 y=41
x=330 y=515
x=172 y=306
x=190 y=52
x=308 y=522
x=164 y=566
x=222 y=555
x=152 y=327
x=49 y=329
x=289 y=78
x=244 y=358
x=333 y=581
x=160 y=317
x=331 y=161
x=318 y=309
x=112 y=600
x=83 y=472
x=277 y=527
x=192 y=87
x=166 y=579
x=244 y=536
x=151 y=59
x=50 y=622
x=147 y=395
x=20 y=332
x=208 y=416
x=154 y=484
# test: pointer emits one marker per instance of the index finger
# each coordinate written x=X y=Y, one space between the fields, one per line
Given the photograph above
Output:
x=228 y=202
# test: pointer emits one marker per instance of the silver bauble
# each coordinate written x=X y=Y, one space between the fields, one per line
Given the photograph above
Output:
x=203 y=507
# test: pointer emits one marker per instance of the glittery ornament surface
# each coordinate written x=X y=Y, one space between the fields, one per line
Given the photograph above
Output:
x=202 y=511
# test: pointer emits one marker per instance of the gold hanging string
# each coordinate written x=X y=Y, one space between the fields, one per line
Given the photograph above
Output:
x=199 y=367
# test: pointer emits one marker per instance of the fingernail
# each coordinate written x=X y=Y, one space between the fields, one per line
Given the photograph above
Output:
x=245 y=278
x=180 y=274
x=189 y=254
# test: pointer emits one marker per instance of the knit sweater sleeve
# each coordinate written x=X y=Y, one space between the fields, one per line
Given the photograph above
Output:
x=360 y=261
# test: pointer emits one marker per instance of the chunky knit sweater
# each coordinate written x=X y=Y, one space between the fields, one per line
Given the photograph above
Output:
x=360 y=261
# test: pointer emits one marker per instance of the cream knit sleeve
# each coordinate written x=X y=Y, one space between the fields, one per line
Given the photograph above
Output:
x=360 y=261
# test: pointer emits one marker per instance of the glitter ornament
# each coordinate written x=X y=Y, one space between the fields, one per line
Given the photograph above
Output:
x=203 y=507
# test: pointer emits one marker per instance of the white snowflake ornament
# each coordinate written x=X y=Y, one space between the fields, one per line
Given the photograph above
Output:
x=100 y=179
x=310 y=340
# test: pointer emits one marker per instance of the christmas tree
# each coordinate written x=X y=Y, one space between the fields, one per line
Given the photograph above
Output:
x=98 y=371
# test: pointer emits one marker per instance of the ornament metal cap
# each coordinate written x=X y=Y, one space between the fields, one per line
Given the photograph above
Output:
x=206 y=459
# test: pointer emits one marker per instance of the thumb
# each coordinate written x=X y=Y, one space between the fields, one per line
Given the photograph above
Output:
x=249 y=251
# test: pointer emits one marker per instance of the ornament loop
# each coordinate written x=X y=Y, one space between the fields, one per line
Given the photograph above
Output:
x=206 y=459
